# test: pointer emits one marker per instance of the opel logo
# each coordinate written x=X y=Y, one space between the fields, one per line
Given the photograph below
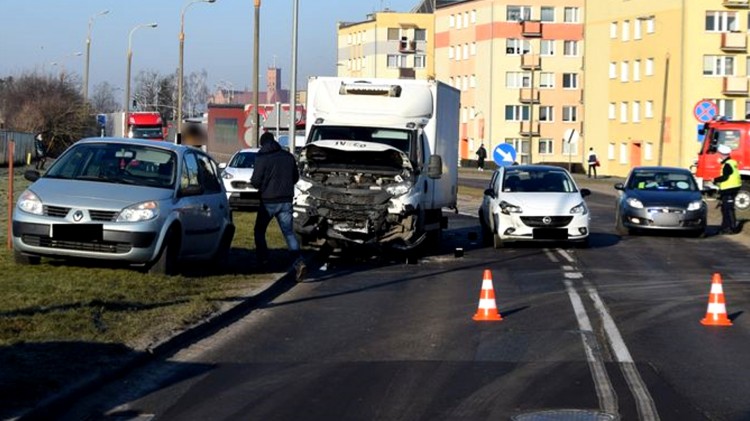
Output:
x=78 y=215
x=547 y=220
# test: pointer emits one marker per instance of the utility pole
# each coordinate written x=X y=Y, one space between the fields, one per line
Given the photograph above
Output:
x=256 y=71
x=293 y=86
x=663 y=109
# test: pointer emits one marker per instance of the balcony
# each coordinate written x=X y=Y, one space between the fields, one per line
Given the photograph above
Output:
x=531 y=62
x=736 y=4
x=407 y=47
x=528 y=96
x=735 y=86
x=531 y=28
x=529 y=129
x=734 y=42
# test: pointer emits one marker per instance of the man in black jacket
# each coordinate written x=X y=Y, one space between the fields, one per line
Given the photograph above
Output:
x=274 y=176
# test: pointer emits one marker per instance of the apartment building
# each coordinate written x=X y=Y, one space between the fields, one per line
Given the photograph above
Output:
x=648 y=64
x=387 y=45
x=518 y=65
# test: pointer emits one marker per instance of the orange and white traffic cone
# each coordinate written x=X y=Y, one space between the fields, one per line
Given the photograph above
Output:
x=487 y=310
x=716 y=315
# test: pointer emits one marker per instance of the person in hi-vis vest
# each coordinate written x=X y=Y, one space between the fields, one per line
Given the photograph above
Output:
x=729 y=183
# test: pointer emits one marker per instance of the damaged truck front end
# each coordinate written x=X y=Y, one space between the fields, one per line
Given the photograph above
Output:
x=356 y=192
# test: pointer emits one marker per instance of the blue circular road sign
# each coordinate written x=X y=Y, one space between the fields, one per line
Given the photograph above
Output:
x=504 y=154
x=705 y=110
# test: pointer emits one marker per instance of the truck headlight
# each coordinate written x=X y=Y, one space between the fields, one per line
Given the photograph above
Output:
x=507 y=208
x=30 y=203
x=579 y=209
x=139 y=212
x=398 y=189
x=634 y=203
x=694 y=206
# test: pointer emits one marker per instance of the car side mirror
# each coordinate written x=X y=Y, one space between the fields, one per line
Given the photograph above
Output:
x=31 y=175
x=585 y=192
x=490 y=193
x=619 y=186
x=435 y=166
x=191 y=190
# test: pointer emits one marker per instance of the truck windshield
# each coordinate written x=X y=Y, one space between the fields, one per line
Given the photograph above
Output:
x=153 y=132
x=397 y=138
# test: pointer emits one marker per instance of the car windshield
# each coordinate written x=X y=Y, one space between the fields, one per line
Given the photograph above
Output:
x=116 y=163
x=400 y=139
x=538 y=181
x=662 y=180
x=243 y=160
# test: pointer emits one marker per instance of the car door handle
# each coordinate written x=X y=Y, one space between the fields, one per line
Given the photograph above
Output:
x=205 y=207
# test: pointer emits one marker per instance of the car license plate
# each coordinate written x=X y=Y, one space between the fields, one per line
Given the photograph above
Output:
x=550 y=233
x=77 y=232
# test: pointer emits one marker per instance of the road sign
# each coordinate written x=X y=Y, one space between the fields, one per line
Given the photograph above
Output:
x=504 y=154
x=570 y=136
x=101 y=119
x=701 y=133
x=705 y=110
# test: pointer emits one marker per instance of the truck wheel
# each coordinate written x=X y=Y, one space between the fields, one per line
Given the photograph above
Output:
x=166 y=263
x=742 y=200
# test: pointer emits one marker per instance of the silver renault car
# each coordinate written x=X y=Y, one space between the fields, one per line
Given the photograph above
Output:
x=140 y=202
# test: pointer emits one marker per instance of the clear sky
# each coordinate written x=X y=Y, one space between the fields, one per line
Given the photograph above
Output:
x=218 y=37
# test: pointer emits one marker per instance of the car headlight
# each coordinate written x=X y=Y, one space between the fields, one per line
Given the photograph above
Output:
x=507 y=208
x=693 y=206
x=30 y=203
x=398 y=189
x=139 y=212
x=634 y=203
x=227 y=175
x=579 y=209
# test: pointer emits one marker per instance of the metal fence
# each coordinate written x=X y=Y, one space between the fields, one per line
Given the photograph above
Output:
x=24 y=147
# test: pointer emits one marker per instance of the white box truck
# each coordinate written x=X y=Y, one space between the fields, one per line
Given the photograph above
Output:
x=380 y=161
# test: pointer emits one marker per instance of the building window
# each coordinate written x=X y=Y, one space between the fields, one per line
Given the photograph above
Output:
x=473 y=81
x=570 y=15
x=747 y=109
x=626 y=30
x=396 y=60
x=545 y=146
x=464 y=114
x=649 y=71
x=624 y=71
x=420 y=35
x=473 y=16
x=624 y=112
x=420 y=61
x=721 y=21
x=518 y=13
x=546 y=113
x=637 y=29
x=570 y=80
x=636 y=112
x=451 y=21
x=612 y=111
x=726 y=107
x=546 y=80
x=648 y=151
x=636 y=70
x=612 y=70
x=611 y=151
x=623 y=153
x=570 y=113
x=648 y=111
x=466 y=51
x=570 y=48
x=394 y=34
x=547 y=47
x=516 y=113
x=651 y=25
x=613 y=30
x=516 y=47
x=473 y=49
x=466 y=19
x=516 y=80
x=548 y=14
x=718 y=65
x=450 y=52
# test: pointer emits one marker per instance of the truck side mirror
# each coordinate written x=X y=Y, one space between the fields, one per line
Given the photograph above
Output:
x=435 y=166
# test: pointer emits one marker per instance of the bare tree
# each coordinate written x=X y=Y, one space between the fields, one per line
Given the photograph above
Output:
x=196 y=93
x=154 y=92
x=46 y=104
x=103 y=99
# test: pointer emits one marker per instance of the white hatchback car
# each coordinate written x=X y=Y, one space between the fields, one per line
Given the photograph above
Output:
x=534 y=203
x=236 y=175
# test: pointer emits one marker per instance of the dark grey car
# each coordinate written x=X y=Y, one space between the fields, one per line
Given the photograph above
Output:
x=660 y=198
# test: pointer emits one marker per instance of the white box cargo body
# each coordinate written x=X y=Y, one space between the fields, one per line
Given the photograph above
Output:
x=380 y=160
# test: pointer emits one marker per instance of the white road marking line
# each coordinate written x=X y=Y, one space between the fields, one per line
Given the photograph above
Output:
x=567 y=256
x=551 y=256
x=604 y=390
x=643 y=399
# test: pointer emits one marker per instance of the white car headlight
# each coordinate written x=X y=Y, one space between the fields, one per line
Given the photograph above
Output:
x=507 y=208
x=634 y=203
x=30 y=203
x=227 y=175
x=139 y=212
x=398 y=189
x=693 y=206
x=579 y=209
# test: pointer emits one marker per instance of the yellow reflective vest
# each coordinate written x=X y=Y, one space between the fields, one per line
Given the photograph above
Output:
x=734 y=180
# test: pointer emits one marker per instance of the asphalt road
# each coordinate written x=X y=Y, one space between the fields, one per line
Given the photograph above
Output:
x=610 y=329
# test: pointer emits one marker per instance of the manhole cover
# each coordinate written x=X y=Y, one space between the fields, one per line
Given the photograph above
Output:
x=565 y=415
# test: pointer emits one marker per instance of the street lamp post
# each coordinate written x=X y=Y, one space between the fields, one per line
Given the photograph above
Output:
x=61 y=63
x=88 y=52
x=256 y=71
x=293 y=91
x=130 y=59
x=180 y=71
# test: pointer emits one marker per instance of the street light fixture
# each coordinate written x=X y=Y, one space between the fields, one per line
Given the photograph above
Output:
x=61 y=62
x=130 y=59
x=180 y=68
x=88 y=52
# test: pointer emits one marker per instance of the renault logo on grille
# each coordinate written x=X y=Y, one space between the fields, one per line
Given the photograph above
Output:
x=547 y=220
x=78 y=215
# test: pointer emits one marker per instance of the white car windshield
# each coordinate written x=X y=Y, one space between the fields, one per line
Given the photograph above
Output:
x=537 y=181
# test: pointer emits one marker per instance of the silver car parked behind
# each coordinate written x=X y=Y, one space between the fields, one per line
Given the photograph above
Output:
x=134 y=201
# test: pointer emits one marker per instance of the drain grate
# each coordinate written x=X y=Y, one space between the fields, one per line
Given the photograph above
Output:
x=566 y=415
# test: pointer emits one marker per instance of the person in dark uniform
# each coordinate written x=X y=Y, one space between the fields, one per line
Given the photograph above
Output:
x=40 y=152
x=729 y=183
x=481 y=156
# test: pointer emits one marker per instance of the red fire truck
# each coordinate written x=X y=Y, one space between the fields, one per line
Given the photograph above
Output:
x=139 y=124
x=736 y=135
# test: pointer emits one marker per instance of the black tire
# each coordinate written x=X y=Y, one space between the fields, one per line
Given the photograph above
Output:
x=167 y=262
x=221 y=257
x=497 y=242
x=25 y=259
x=486 y=232
x=620 y=228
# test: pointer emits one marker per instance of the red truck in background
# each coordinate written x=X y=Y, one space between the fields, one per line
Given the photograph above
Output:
x=139 y=124
x=736 y=135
